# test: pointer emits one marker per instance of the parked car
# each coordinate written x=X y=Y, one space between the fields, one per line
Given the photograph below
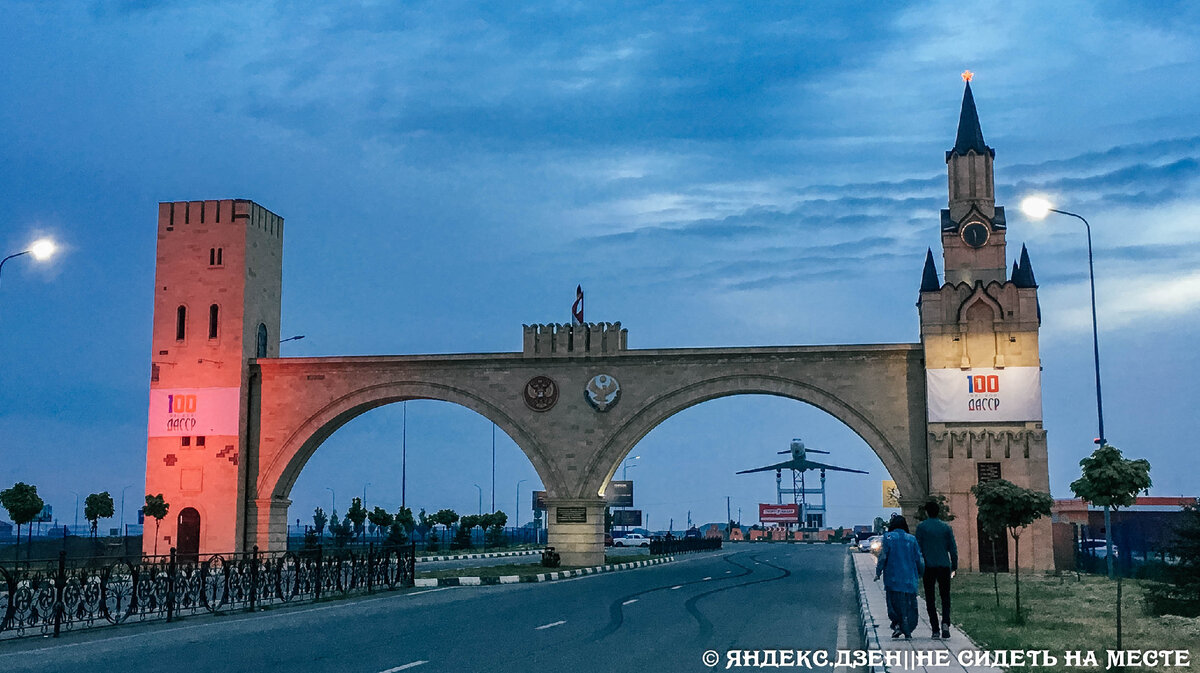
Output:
x=632 y=540
x=692 y=533
x=1097 y=548
x=875 y=544
x=608 y=540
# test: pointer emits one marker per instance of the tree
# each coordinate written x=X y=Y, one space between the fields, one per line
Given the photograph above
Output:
x=446 y=517
x=319 y=521
x=1004 y=505
x=1180 y=595
x=97 y=506
x=404 y=518
x=23 y=505
x=380 y=518
x=341 y=531
x=462 y=536
x=157 y=508
x=1110 y=481
x=357 y=514
x=943 y=504
x=494 y=528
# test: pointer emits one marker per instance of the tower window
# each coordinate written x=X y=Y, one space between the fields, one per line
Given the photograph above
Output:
x=220 y=262
x=200 y=440
x=215 y=257
x=180 y=323
x=261 y=347
x=213 y=311
x=185 y=441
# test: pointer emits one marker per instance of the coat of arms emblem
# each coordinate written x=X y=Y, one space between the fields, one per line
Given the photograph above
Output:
x=541 y=393
x=602 y=392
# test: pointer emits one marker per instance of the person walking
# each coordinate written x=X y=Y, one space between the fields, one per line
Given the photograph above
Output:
x=936 y=539
x=900 y=564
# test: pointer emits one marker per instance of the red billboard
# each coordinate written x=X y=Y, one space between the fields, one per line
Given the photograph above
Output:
x=779 y=513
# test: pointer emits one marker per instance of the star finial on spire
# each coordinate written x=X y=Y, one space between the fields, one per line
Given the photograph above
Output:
x=967 y=76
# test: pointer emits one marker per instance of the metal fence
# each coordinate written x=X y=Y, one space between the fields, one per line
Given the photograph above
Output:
x=48 y=597
x=663 y=546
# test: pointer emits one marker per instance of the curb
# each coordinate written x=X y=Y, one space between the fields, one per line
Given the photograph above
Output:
x=459 y=557
x=540 y=577
x=866 y=621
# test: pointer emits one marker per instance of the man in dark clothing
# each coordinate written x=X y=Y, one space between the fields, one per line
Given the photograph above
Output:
x=936 y=540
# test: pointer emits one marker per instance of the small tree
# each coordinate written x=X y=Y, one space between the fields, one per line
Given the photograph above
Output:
x=157 y=508
x=319 y=521
x=462 y=536
x=23 y=505
x=1110 y=481
x=97 y=506
x=943 y=503
x=341 y=531
x=494 y=528
x=404 y=519
x=380 y=518
x=1002 y=504
x=357 y=514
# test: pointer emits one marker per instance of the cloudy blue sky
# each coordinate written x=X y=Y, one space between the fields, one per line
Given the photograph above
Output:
x=711 y=173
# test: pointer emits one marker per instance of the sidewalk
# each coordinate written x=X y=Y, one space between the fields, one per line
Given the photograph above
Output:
x=871 y=593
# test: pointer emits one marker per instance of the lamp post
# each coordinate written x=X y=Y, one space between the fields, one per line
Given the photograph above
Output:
x=480 y=498
x=124 y=526
x=1037 y=208
x=41 y=250
x=493 y=467
x=73 y=531
x=294 y=338
x=517 y=511
x=333 y=497
x=365 y=494
x=625 y=468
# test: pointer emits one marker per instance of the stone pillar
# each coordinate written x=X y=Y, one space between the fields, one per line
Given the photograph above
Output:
x=909 y=507
x=266 y=525
x=576 y=530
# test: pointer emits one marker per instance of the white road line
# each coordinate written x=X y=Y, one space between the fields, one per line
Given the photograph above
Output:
x=728 y=571
x=405 y=667
x=706 y=579
x=631 y=600
x=677 y=587
x=551 y=624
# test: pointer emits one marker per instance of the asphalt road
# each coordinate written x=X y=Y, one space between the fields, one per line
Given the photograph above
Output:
x=660 y=618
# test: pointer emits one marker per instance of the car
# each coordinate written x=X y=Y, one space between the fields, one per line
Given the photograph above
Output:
x=692 y=533
x=875 y=544
x=864 y=545
x=632 y=540
x=1097 y=548
x=608 y=540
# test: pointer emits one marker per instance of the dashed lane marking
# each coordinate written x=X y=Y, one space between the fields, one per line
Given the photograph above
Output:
x=676 y=587
x=631 y=600
x=405 y=667
x=550 y=625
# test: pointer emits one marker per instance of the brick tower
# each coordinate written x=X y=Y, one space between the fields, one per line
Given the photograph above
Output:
x=979 y=330
x=216 y=308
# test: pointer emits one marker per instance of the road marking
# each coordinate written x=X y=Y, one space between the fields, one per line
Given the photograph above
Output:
x=706 y=579
x=405 y=667
x=677 y=587
x=728 y=571
x=551 y=624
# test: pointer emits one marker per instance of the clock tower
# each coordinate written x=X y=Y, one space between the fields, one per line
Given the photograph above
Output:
x=979 y=332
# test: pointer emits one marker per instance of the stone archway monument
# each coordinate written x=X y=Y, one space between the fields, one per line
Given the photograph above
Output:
x=232 y=424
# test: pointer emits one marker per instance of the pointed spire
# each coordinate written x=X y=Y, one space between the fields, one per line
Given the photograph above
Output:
x=1015 y=271
x=929 y=277
x=970 y=133
x=1023 y=273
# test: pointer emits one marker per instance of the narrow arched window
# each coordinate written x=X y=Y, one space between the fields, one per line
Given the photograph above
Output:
x=261 y=350
x=180 y=323
x=212 y=256
x=220 y=262
x=213 y=311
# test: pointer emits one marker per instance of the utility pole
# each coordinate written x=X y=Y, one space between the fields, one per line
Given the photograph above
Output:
x=728 y=517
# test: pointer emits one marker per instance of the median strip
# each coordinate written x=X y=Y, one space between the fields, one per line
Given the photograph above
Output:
x=491 y=580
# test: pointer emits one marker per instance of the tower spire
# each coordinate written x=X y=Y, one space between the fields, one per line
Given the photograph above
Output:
x=929 y=277
x=1023 y=274
x=970 y=133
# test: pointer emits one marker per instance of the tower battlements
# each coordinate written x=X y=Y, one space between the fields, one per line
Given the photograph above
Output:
x=174 y=215
x=593 y=338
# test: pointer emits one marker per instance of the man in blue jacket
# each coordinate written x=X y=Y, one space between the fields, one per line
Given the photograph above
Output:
x=900 y=564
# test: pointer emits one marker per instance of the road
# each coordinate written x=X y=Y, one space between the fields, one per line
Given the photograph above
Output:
x=532 y=560
x=660 y=618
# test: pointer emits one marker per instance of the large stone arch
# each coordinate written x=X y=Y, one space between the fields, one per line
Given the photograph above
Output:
x=277 y=479
x=913 y=483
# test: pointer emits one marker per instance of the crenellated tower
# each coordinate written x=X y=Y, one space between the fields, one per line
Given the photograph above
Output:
x=979 y=330
x=216 y=308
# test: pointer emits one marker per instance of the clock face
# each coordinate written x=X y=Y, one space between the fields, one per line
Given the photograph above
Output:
x=975 y=234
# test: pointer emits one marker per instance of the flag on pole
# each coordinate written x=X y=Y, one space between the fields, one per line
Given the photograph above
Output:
x=577 y=307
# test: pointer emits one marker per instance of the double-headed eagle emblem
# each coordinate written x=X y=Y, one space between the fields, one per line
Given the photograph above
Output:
x=602 y=392
x=541 y=393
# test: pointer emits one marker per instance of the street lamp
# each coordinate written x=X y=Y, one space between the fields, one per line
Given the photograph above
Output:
x=625 y=468
x=294 y=338
x=1036 y=208
x=365 y=494
x=333 y=497
x=73 y=531
x=480 y=498
x=41 y=250
x=517 y=511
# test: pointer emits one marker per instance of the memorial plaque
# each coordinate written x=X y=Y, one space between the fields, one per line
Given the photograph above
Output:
x=570 y=515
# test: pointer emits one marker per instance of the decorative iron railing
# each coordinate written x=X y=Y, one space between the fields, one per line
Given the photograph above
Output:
x=44 y=598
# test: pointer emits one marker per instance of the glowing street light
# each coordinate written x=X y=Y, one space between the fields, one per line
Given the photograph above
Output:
x=41 y=250
x=1037 y=208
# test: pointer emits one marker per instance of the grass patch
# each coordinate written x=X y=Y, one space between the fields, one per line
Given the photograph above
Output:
x=1064 y=613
